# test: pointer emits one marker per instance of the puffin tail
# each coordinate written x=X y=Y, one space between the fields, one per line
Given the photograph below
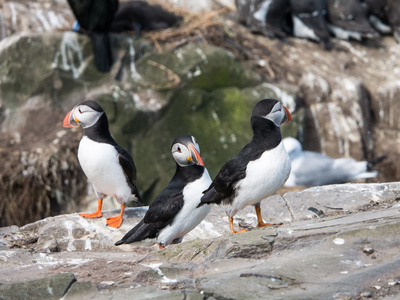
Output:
x=140 y=232
x=102 y=51
x=209 y=197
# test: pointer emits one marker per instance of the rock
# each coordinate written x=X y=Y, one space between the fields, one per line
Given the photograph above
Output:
x=307 y=257
x=52 y=287
x=79 y=290
x=34 y=16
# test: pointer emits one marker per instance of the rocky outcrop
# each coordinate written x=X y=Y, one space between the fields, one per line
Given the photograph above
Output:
x=337 y=241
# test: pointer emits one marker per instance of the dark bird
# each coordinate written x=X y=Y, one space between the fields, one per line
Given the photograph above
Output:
x=108 y=167
x=277 y=18
x=174 y=212
x=95 y=18
x=268 y=17
x=309 y=20
x=140 y=15
x=259 y=170
x=385 y=16
x=348 y=19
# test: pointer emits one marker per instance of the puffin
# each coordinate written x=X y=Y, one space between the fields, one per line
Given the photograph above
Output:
x=95 y=17
x=109 y=168
x=174 y=212
x=311 y=168
x=259 y=170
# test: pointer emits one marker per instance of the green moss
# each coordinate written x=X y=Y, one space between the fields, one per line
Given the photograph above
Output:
x=197 y=66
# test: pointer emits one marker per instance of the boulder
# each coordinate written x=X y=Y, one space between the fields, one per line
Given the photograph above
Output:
x=51 y=287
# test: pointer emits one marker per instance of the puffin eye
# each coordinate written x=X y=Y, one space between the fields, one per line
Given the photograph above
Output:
x=179 y=149
x=79 y=109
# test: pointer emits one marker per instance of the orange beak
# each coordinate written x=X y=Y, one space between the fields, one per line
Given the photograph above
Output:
x=287 y=118
x=195 y=156
x=69 y=121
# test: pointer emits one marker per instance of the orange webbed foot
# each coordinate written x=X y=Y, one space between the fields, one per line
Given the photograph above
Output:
x=114 y=222
x=232 y=230
x=94 y=215
x=239 y=231
x=160 y=246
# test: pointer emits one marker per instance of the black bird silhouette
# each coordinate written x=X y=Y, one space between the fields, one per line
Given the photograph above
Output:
x=138 y=15
x=95 y=17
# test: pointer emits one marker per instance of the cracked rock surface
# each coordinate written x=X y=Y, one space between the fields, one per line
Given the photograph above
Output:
x=338 y=241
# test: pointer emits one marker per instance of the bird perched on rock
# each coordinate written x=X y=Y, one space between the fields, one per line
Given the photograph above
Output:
x=312 y=168
x=259 y=170
x=309 y=20
x=138 y=15
x=385 y=16
x=348 y=19
x=108 y=167
x=95 y=18
x=174 y=212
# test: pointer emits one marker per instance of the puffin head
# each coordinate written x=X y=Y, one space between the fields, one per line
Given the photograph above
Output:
x=186 y=151
x=272 y=110
x=84 y=115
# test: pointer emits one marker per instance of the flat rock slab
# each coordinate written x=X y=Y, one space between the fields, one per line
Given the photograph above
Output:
x=351 y=250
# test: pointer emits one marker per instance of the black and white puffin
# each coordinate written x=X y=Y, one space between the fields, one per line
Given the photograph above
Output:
x=174 y=212
x=108 y=167
x=259 y=170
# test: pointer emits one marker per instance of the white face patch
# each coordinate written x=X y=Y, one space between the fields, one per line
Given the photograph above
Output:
x=276 y=115
x=180 y=153
x=85 y=116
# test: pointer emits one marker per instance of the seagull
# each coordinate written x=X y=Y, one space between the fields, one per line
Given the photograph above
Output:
x=312 y=168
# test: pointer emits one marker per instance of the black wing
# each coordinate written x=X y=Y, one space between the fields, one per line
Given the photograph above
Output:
x=164 y=208
x=128 y=166
x=161 y=213
x=140 y=232
x=222 y=186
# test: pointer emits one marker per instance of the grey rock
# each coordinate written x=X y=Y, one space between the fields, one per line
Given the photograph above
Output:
x=52 y=287
x=308 y=257
x=79 y=290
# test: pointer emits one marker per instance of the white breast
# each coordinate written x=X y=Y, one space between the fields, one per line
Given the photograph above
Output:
x=100 y=163
x=264 y=177
x=189 y=216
